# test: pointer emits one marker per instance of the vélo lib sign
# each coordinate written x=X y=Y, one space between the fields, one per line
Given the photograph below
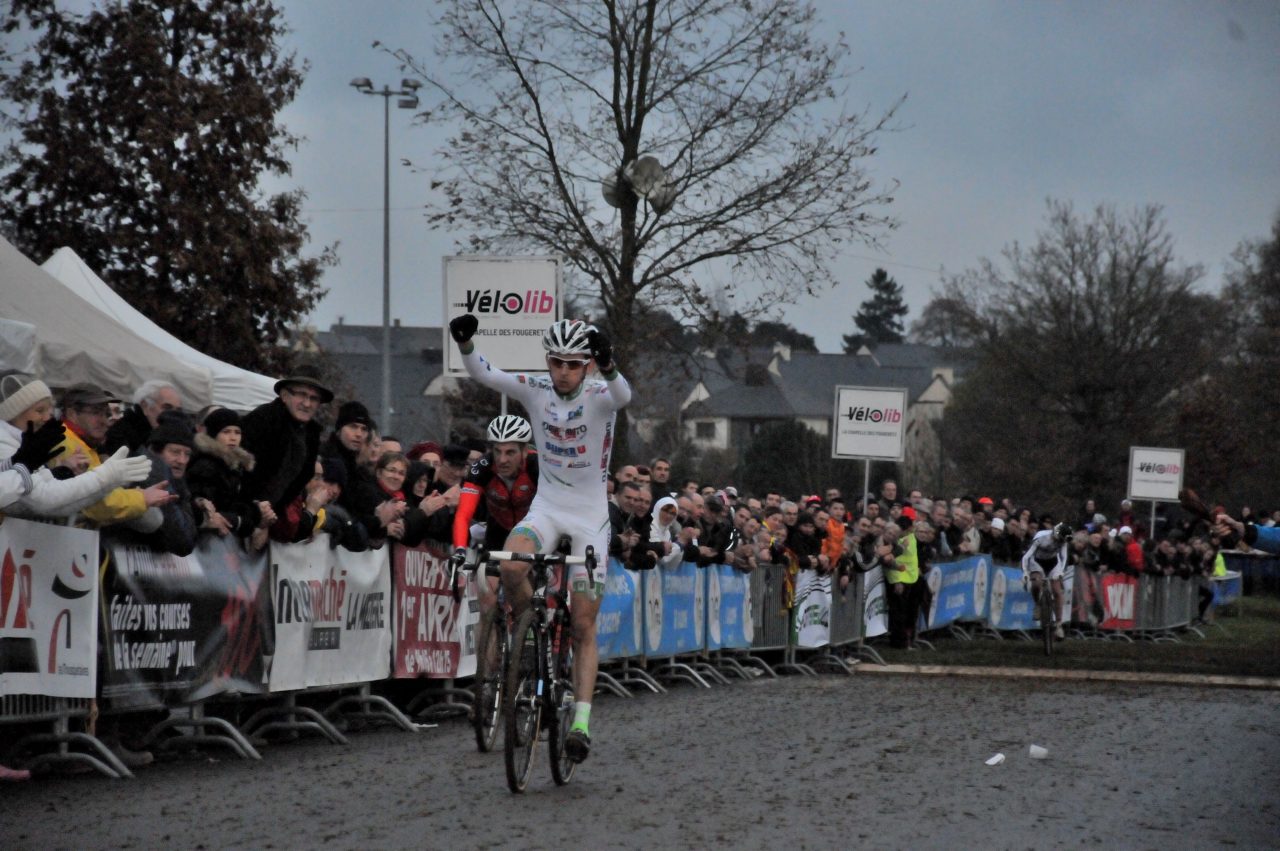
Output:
x=515 y=298
x=870 y=422
x=1155 y=474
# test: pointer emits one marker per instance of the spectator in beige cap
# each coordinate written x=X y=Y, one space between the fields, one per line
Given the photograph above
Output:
x=85 y=410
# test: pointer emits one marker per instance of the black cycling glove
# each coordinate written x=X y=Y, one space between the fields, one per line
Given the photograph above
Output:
x=463 y=328
x=601 y=349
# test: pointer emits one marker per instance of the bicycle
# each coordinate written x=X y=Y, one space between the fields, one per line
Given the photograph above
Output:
x=1044 y=605
x=539 y=675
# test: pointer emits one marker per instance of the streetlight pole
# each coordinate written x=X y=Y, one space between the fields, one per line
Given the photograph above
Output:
x=408 y=99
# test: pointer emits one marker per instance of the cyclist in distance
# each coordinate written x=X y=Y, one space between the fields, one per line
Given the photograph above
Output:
x=573 y=421
x=504 y=480
x=1047 y=556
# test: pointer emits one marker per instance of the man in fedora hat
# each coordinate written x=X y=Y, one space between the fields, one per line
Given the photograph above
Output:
x=285 y=439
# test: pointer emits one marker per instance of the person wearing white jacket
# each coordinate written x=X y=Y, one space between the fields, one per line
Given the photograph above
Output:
x=666 y=530
x=27 y=487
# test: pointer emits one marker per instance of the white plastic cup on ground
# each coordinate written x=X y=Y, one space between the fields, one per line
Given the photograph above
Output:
x=996 y=760
x=1038 y=752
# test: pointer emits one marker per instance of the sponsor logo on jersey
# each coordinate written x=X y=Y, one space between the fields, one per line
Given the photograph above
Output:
x=580 y=464
x=564 y=434
x=604 y=455
x=576 y=413
x=550 y=413
x=567 y=451
x=554 y=462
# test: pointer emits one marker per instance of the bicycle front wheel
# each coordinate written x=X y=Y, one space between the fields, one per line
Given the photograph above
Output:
x=1046 y=617
x=522 y=705
x=486 y=706
x=561 y=703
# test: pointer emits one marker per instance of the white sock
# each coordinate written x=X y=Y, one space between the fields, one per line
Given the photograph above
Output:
x=581 y=714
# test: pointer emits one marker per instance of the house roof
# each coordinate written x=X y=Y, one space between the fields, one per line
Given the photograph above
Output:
x=804 y=384
x=415 y=417
x=367 y=339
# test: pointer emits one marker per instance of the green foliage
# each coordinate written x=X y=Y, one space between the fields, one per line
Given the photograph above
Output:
x=792 y=458
x=879 y=319
x=144 y=130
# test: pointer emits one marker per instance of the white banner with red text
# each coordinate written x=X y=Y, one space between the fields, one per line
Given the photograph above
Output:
x=48 y=609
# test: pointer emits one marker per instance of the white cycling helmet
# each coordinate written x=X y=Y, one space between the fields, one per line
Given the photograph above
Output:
x=568 y=337
x=508 y=428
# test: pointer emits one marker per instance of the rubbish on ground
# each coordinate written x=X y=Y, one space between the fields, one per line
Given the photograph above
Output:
x=996 y=760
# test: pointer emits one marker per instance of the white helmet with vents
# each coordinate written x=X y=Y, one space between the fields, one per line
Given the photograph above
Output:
x=568 y=337
x=508 y=428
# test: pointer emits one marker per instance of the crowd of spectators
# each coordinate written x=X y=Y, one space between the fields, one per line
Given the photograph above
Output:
x=157 y=475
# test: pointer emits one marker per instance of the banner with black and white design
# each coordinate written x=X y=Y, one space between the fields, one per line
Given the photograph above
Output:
x=178 y=629
x=48 y=610
x=332 y=610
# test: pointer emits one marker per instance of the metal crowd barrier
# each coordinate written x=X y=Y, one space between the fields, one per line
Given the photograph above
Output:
x=1260 y=572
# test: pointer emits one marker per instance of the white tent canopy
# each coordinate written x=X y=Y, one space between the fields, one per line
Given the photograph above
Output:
x=18 y=348
x=233 y=387
x=75 y=343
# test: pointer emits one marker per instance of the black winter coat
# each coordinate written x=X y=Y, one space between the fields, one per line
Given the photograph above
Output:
x=268 y=431
x=215 y=474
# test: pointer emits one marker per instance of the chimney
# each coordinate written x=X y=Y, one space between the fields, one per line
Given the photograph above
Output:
x=396 y=322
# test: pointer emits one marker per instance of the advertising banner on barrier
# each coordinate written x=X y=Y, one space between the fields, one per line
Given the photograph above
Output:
x=812 y=624
x=875 y=615
x=729 y=620
x=620 y=620
x=332 y=615
x=434 y=636
x=959 y=591
x=674 y=620
x=1119 y=601
x=1009 y=605
x=179 y=629
x=48 y=610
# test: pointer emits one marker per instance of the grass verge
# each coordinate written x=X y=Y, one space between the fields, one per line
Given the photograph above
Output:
x=1248 y=644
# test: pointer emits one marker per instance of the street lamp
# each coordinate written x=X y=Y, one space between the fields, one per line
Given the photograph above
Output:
x=408 y=99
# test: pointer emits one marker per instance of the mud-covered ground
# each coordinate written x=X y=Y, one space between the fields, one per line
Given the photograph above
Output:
x=823 y=763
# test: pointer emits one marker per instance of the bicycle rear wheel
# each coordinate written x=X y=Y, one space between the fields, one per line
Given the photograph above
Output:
x=486 y=706
x=1046 y=616
x=521 y=703
x=561 y=703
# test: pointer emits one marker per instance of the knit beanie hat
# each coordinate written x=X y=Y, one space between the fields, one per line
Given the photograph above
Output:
x=353 y=412
x=335 y=472
x=217 y=420
x=173 y=427
x=18 y=392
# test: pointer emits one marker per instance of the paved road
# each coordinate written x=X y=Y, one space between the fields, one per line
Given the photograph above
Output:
x=832 y=762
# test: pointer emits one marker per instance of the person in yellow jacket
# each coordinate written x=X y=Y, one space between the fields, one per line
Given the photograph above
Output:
x=85 y=412
x=900 y=578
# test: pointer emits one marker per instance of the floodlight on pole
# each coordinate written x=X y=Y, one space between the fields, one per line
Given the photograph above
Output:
x=407 y=98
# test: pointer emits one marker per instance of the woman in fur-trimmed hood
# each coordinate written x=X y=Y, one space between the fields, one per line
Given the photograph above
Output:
x=216 y=470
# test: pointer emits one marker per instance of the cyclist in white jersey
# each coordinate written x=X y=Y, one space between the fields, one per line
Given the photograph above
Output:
x=573 y=420
x=1047 y=555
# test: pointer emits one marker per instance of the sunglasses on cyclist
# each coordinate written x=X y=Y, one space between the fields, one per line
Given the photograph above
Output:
x=564 y=363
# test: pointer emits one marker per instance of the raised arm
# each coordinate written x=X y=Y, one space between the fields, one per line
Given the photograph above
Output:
x=463 y=329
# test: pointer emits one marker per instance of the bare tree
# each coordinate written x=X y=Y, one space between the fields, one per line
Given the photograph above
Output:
x=1085 y=341
x=763 y=173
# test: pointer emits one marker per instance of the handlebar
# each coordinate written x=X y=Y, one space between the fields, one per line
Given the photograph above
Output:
x=543 y=559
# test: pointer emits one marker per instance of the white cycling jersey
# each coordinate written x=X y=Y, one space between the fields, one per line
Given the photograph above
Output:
x=1045 y=555
x=573 y=435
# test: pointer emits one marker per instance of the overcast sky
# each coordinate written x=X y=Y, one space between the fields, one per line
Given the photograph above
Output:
x=1008 y=103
